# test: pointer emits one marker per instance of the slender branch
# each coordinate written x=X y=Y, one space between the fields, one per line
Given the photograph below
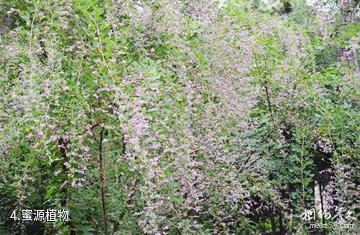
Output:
x=268 y=97
x=102 y=180
x=63 y=145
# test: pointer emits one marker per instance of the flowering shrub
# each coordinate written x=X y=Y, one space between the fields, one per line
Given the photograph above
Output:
x=176 y=117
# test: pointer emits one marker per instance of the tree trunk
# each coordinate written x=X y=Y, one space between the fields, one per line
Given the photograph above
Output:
x=317 y=195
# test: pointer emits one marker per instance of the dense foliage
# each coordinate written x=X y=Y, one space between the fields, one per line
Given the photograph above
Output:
x=179 y=117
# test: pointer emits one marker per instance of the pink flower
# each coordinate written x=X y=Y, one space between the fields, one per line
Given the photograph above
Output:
x=141 y=222
x=154 y=161
x=40 y=134
x=65 y=88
